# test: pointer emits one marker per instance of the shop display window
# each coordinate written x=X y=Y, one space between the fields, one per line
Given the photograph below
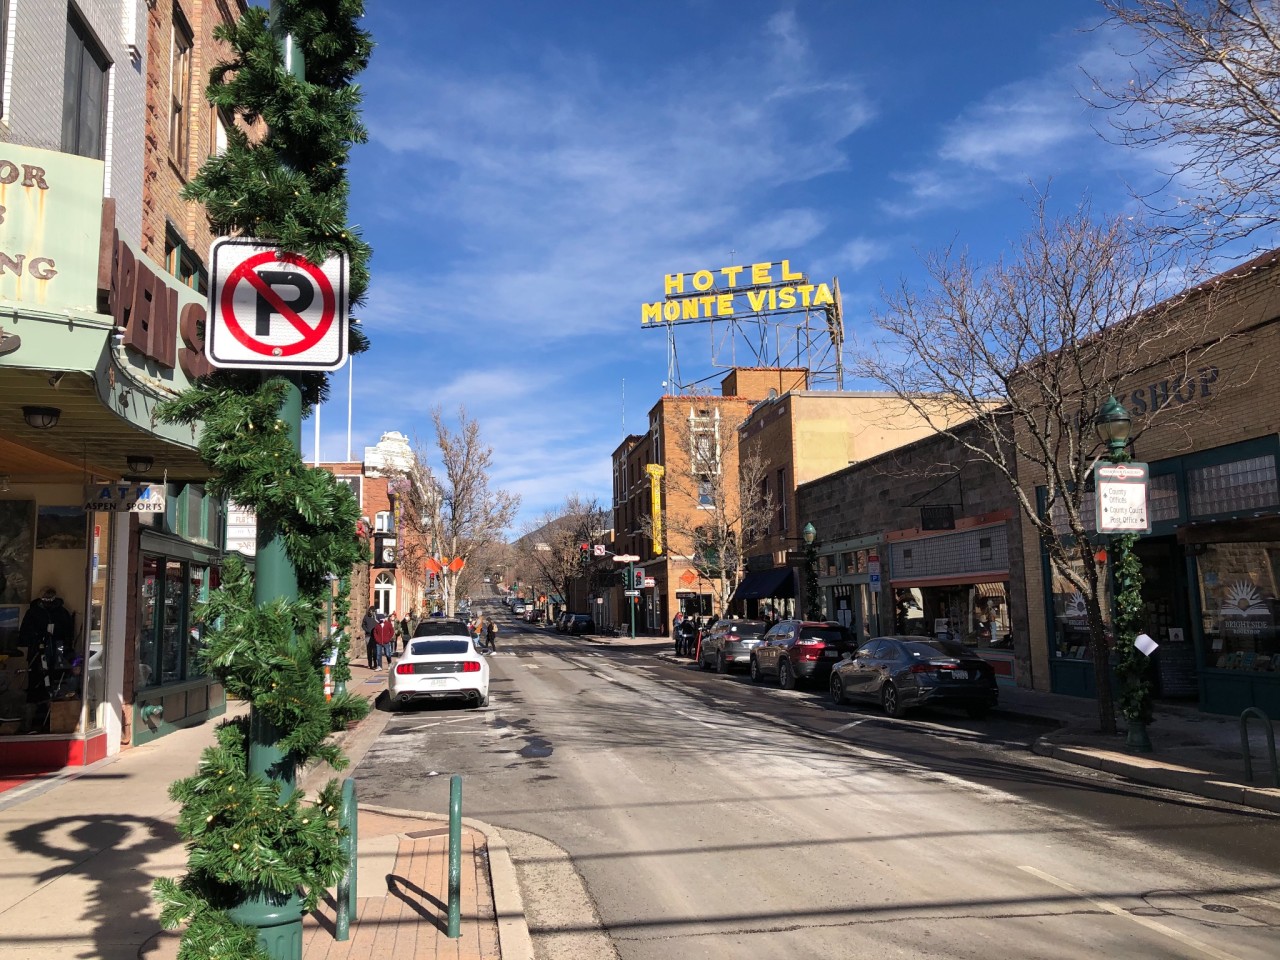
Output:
x=1239 y=607
x=1070 y=615
x=169 y=636
x=976 y=614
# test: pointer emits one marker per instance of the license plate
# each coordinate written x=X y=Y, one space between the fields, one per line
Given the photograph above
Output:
x=439 y=682
x=832 y=654
x=959 y=674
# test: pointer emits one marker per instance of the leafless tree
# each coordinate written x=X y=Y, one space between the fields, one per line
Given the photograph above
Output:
x=1029 y=349
x=551 y=549
x=717 y=509
x=454 y=513
x=1204 y=87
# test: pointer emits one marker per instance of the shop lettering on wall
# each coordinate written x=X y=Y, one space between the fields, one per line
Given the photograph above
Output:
x=31 y=177
x=1174 y=391
x=145 y=305
x=124 y=497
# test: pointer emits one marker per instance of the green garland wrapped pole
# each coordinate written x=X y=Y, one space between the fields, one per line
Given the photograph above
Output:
x=259 y=853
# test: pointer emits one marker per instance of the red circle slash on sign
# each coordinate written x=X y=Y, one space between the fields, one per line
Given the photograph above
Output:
x=246 y=272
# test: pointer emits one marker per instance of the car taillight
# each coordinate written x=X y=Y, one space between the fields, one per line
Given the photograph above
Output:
x=812 y=649
x=471 y=666
x=404 y=668
x=922 y=668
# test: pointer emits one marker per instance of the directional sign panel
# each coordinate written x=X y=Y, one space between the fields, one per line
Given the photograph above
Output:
x=270 y=310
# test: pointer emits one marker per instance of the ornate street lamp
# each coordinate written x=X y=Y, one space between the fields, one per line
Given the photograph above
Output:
x=812 y=589
x=1113 y=424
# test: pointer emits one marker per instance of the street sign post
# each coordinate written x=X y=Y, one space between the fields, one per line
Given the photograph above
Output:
x=270 y=310
x=629 y=584
x=1121 y=491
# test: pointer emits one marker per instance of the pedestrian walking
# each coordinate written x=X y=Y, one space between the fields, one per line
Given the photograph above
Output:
x=370 y=647
x=491 y=636
x=384 y=635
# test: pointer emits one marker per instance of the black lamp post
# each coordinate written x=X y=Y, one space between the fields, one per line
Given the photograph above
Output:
x=812 y=601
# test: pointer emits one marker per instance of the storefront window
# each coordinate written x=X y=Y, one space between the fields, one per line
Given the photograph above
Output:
x=976 y=614
x=1238 y=587
x=99 y=578
x=1071 y=617
x=169 y=636
x=197 y=593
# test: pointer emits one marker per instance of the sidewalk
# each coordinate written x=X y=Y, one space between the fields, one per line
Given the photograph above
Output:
x=1196 y=753
x=81 y=850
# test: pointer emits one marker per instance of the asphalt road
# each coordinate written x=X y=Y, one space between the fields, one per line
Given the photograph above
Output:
x=711 y=818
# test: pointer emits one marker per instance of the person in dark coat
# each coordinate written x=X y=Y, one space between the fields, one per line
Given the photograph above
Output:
x=370 y=648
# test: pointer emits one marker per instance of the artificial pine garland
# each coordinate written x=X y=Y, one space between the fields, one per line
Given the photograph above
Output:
x=290 y=186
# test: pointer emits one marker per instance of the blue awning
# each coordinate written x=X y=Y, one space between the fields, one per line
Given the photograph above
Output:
x=777 y=583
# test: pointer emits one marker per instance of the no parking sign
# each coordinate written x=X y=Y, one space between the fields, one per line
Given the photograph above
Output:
x=273 y=310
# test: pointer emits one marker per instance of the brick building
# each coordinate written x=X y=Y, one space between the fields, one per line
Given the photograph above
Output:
x=658 y=496
x=964 y=577
x=798 y=436
x=130 y=541
x=1210 y=563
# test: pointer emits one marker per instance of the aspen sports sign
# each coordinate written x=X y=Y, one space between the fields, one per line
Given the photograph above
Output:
x=729 y=292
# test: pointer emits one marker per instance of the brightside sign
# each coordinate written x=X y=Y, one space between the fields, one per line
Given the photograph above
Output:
x=733 y=291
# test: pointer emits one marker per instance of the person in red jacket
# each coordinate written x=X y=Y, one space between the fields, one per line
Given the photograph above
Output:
x=384 y=635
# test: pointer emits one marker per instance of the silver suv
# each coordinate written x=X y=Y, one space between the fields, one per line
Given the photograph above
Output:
x=728 y=644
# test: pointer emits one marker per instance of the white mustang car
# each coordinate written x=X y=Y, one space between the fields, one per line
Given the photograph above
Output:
x=441 y=662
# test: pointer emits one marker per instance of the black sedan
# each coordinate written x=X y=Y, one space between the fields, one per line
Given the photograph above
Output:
x=904 y=672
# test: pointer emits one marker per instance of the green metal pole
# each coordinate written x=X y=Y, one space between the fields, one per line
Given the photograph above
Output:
x=455 y=856
x=348 y=817
x=278 y=917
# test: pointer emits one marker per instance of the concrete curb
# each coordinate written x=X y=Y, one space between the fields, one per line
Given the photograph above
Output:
x=1180 y=779
x=514 y=941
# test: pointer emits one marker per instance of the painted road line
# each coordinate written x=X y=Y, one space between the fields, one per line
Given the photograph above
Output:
x=1160 y=928
x=849 y=726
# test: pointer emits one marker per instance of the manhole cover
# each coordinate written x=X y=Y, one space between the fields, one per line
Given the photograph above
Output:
x=1219 y=908
x=1189 y=906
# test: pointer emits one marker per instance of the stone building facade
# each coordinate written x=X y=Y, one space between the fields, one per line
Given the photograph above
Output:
x=924 y=539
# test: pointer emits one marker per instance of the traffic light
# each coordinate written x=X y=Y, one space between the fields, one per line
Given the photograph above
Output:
x=584 y=554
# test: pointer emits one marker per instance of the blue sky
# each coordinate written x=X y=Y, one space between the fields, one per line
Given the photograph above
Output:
x=536 y=166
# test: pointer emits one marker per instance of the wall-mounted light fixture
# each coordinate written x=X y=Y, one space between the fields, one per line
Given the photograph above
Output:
x=56 y=380
x=41 y=418
x=141 y=464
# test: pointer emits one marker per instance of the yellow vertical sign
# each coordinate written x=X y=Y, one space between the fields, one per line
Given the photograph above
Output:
x=656 y=472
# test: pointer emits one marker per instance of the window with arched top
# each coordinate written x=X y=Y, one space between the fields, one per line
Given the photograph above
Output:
x=384 y=593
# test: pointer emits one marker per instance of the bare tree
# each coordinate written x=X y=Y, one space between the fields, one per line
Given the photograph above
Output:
x=1204 y=86
x=715 y=514
x=455 y=513
x=552 y=547
x=1028 y=350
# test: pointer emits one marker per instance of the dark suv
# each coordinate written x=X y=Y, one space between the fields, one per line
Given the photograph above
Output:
x=729 y=643
x=794 y=650
x=580 y=623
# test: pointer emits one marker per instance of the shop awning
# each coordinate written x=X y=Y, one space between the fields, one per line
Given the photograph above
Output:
x=989 y=591
x=779 y=583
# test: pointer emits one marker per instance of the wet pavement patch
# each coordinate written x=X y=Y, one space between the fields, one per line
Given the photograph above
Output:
x=536 y=748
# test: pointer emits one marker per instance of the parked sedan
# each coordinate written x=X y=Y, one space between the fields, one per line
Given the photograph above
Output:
x=904 y=672
x=517 y=609
x=795 y=650
x=729 y=643
x=440 y=666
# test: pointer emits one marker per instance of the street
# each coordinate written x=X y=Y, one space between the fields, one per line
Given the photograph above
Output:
x=709 y=817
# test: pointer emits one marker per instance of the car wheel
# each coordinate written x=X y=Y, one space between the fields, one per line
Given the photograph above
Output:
x=837 y=689
x=756 y=675
x=786 y=679
x=722 y=666
x=481 y=702
x=978 y=711
x=890 y=701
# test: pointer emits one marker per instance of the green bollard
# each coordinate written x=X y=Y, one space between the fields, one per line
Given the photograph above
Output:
x=347 y=818
x=455 y=855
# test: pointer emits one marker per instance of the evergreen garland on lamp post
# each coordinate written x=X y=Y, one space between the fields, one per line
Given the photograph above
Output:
x=251 y=837
x=1132 y=666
